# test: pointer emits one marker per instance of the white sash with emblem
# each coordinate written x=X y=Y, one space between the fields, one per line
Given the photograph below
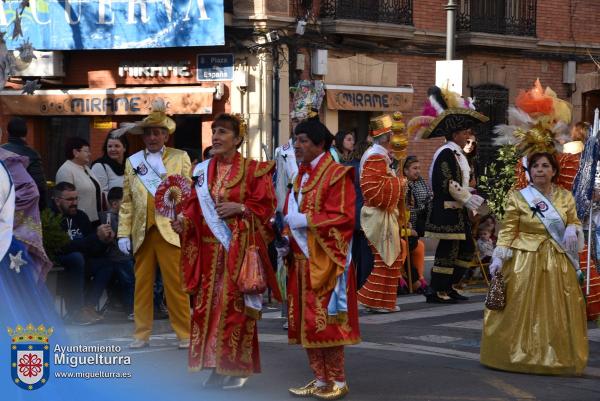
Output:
x=550 y=218
x=299 y=234
x=146 y=174
x=217 y=226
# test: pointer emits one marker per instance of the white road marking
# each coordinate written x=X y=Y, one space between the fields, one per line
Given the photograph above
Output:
x=421 y=313
x=433 y=338
x=408 y=348
x=476 y=324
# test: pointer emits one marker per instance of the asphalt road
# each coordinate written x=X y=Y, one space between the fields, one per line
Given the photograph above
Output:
x=424 y=352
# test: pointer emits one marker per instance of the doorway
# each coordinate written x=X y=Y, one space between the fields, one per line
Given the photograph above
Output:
x=491 y=101
x=591 y=101
x=357 y=121
x=58 y=129
x=188 y=135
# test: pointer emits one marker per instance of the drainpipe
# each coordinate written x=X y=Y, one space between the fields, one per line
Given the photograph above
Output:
x=275 y=100
x=451 y=8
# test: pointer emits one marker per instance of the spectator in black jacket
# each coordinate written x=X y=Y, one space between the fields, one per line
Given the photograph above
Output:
x=17 y=131
x=85 y=242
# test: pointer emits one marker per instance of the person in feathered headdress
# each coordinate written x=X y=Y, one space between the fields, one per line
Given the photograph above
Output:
x=147 y=234
x=448 y=115
x=537 y=253
x=539 y=121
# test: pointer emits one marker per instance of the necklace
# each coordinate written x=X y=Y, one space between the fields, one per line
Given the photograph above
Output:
x=548 y=193
x=220 y=181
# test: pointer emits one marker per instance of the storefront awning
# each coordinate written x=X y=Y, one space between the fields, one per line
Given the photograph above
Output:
x=369 y=98
x=107 y=102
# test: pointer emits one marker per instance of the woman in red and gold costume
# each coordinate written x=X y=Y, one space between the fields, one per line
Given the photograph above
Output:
x=568 y=167
x=322 y=308
x=229 y=209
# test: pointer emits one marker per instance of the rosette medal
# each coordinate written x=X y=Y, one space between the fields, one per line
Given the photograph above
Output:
x=170 y=195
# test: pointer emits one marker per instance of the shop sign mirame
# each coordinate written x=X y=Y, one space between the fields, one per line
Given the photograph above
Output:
x=121 y=24
x=341 y=97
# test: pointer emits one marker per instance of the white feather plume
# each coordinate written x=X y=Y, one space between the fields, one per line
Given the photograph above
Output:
x=504 y=134
x=158 y=104
x=438 y=107
x=123 y=128
x=519 y=118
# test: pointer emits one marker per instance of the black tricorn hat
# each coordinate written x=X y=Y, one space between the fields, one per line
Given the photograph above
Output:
x=453 y=120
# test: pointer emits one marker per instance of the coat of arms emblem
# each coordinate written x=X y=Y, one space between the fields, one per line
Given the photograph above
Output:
x=541 y=205
x=30 y=356
x=142 y=169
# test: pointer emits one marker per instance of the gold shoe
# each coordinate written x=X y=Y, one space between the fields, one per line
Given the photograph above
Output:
x=331 y=392
x=305 y=391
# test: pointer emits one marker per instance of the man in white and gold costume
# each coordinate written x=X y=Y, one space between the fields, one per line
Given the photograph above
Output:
x=148 y=234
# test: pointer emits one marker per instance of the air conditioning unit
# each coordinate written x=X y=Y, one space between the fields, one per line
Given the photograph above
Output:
x=46 y=64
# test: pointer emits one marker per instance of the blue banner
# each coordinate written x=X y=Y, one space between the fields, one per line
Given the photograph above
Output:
x=114 y=24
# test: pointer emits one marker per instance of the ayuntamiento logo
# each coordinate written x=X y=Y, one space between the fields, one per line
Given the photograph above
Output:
x=30 y=356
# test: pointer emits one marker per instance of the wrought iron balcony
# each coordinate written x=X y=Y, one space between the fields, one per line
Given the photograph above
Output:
x=505 y=17
x=388 y=11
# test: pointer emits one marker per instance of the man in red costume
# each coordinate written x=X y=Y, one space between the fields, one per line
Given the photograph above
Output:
x=383 y=194
x=322 y=309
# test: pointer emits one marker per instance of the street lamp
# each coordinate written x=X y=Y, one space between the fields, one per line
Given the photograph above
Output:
x=450 y=28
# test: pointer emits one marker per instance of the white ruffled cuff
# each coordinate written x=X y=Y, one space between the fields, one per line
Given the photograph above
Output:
x=503 y=253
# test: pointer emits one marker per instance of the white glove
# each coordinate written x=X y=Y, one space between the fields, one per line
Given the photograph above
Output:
x=570 y=239
x=474 y=202
x=283 y=251
x=124 y=245
x=495 y=266
x=296 y=220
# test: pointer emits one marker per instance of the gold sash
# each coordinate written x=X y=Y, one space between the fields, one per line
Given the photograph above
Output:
x=382 y=229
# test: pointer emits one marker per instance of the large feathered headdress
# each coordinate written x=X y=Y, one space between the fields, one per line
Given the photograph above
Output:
x=444 y=112
x=536 y=122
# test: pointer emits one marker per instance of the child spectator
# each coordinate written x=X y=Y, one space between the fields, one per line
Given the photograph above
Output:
x=485 y=244
x=115 y=263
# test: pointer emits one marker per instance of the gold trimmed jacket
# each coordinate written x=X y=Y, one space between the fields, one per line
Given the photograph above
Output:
x=137 y=207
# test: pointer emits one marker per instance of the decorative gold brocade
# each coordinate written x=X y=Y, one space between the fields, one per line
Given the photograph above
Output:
x=321 y=315
x=340 y=244
x=238 y=304
x=291 y=317
x=246 y=355
x=190 y=252
x=234 y=342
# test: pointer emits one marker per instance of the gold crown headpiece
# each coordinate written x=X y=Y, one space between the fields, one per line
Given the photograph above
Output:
x=243 y=124
x=30 y=333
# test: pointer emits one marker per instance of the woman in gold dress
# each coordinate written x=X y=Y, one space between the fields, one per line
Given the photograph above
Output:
x=542 y=328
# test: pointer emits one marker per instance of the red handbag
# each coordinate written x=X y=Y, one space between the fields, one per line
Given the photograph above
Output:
x=251 y=279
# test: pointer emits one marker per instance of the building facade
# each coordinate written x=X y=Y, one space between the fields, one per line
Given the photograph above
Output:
x=371 y=56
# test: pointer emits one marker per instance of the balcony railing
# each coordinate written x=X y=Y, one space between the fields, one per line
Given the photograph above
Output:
x=505 y=17
x=389 y=11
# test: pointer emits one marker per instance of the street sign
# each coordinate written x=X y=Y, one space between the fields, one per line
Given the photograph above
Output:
x=215 y=67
